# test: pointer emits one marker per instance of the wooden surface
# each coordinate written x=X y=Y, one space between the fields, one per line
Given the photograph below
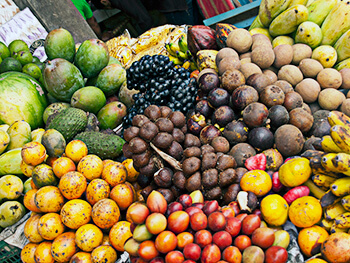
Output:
x=53 y=14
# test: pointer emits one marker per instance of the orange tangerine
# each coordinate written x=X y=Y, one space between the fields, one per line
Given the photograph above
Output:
x=306 y=211
x=62 y=166
x=90 y=166
x=76 y=150
x=114 y=174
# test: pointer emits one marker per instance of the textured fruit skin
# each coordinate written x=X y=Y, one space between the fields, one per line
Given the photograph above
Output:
x=27 y=253
x=69 y=122
x=59 y=43
x=288 y=21
x=64 y=247
x=43 y=253
x=97 y=190
x=88 y=237
x=62 y=79
x=200 y=37
x=269 y=9
x=50 y=226
x=10 y=162
x=119 y=233
x=110 y=79
x=309 y=33
x=21 y=98
x=319 y=9
x=72 y=185
x=295 y=172
x=221 y=33
x=76 y=213
x=10 y=213
x=43 y=175
x=31 y=229
x=48 y=199
x=105 y=213
x=103 y=254
x=91 y=57
x=336 y=23
x=54 y=142
x=106 y=146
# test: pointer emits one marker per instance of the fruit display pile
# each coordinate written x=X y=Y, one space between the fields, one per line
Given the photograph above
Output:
x=228 y=145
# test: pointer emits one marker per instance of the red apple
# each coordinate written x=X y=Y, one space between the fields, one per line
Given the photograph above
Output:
x=172 y=207
x=192 y=251
x=211 y=254
x=216 y=221
x=222 y=239
x=276 y=254
x=250 y=223
x=192 y=210
x=198 y=221
x=210 y=207
x=203 y=238
x=185 y=200
x=233 y=226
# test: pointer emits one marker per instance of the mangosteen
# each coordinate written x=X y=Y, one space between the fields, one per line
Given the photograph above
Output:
x=236 y=132
x=278 y=116
x=196 y=123
x=261 y=138
x=208 y=82
x=203 y=108
x=243 y=96
x=218 y=97
x=208 y=133
x=255 y=114
x=223 y=115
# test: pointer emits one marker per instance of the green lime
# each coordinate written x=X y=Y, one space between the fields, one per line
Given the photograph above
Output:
x=16 y=46
x=35 y=59
x=24 y=57
x=10 y=64
x=4 y=50
x=32 y=70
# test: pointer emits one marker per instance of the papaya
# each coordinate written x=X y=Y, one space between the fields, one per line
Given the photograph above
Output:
x=59 y=43
x=62 y=79
x=92 y=56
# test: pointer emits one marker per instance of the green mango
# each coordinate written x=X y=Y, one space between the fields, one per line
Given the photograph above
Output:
x=11 y=187
x=269 y=9
x=11 y=212
x=343 y=64
x=111 y=115
x=110 y=79
x=319 y=9
x=20 y=134
x=309 y=33
x=10 y=162
x=288 y=21
x=256 y=23
x=297 y=2
x=336 y=23
x=342 y=46
x=59 y=43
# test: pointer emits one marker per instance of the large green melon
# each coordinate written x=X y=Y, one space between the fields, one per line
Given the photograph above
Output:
x=62 y=79
x=21 y=98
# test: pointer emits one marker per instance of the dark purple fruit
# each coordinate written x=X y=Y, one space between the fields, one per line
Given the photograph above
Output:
x=144 y=180
x=208 y=133
x=218 y=97
x=196 y=123
x=203 y=108
x=255 y=114
x=261 y=138
x=241 y=152
x=236 y=132
x=278 y=116
x=223 y=115
x=243 y=96
x=208 y=82
x=320 y=128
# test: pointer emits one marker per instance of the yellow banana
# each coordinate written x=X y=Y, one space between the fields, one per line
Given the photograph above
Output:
x=341 y=137
x=171 y=53
x=332 y=211
x=342 y=163
x=341 y=186
x=328 y=145
x=317 y=167
x=327 y=163
x=174 y=47
x=181 y=55
x=345 y=201
x=312 y=153
x=175 y=60
x=338 y=118
x=323 y=180
x=186 y=64
x=335 y=229
x=314 y=189
x=329 y=199
x=326 y=224
x=183 y=44
x=343 y=220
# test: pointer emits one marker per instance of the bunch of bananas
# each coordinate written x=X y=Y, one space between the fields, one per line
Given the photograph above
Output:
x=331 y=173
x=180 y=55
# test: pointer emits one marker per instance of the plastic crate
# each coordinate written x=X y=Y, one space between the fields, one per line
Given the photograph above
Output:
x=9 y=254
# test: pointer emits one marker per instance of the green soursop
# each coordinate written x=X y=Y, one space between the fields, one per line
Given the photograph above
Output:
x=69 y=122
x=106 y=146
